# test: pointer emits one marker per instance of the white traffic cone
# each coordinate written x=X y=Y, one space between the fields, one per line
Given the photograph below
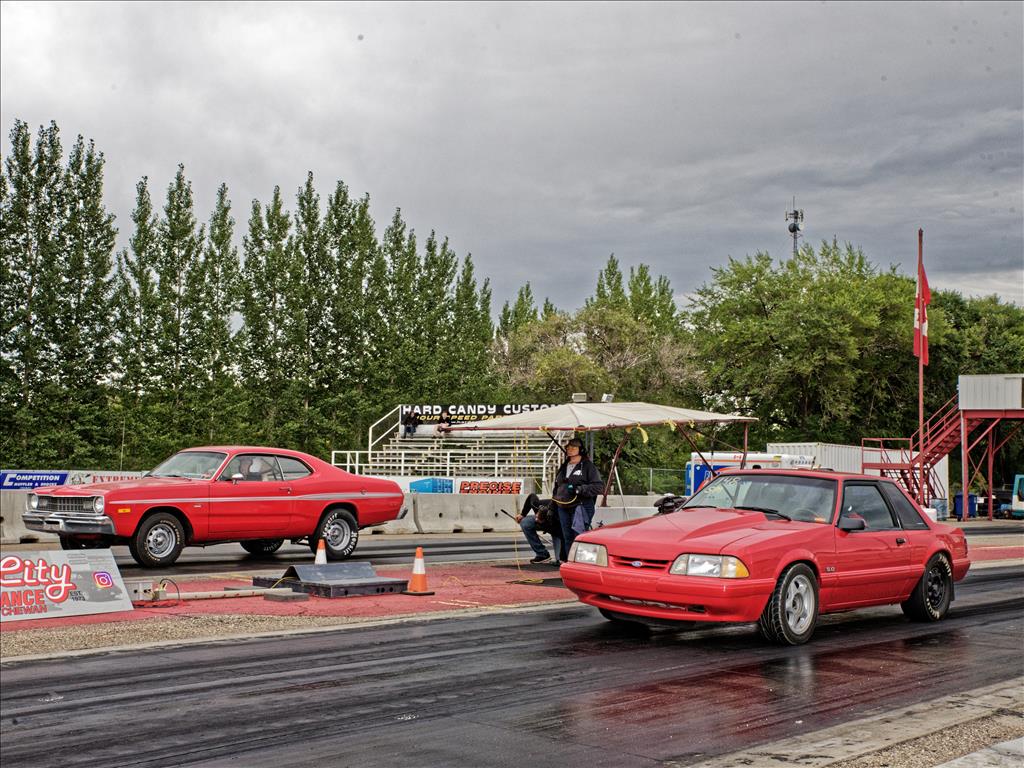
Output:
x=321 y=554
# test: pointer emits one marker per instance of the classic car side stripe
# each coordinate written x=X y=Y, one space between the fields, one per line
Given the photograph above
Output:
x=315 y=496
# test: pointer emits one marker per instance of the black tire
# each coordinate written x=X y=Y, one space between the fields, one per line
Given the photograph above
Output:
x=792 y=610
x=262 y=546
x=340 y=533
x=933 y=593
x=73 y=542
x=158 y=541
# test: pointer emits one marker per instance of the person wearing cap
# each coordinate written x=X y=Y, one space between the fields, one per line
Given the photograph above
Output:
x=577 y=486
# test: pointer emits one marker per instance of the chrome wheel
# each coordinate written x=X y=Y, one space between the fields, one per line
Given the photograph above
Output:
x=338 y=533
x=800 y=604
x=161 y=540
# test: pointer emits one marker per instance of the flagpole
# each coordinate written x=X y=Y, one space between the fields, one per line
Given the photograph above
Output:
x=920 y=382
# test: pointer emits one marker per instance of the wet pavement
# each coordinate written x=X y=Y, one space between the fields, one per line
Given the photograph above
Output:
x=547 y=687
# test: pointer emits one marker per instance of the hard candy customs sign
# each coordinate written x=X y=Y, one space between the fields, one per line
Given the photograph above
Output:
x=43 y=585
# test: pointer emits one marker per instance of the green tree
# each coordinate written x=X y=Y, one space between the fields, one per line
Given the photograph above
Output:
x=263 y=287
x=76 y=409
x=218 y=405
x=33 y=236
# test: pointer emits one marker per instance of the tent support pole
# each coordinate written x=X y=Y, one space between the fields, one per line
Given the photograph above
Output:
x=746 y=434
x=697 y=451
x=611 y=470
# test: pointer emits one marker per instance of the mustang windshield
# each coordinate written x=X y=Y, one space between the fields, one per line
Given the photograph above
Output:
x=198 y=465
x=809 y=499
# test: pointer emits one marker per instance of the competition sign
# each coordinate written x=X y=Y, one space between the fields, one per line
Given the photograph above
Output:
x=50 y=584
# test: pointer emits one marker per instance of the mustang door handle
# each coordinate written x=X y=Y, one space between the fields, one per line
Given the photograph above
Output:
x=285 y=488
x=900 y=542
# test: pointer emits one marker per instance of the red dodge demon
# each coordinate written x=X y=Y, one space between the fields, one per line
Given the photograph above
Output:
x=777 y=547
x=202 y=496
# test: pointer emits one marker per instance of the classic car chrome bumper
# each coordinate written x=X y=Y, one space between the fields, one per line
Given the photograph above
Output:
x=68 y=524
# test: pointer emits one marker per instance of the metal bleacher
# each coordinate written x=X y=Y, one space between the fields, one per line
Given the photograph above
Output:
x=456 y=454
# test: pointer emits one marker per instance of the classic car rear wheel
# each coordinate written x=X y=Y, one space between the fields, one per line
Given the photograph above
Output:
x=158 y=541
x=340 y=533
x=262 y=546
x=792 y=610
x=931 y=597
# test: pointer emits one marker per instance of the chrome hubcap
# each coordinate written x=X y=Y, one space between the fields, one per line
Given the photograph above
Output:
x=160 y=540
x=338 y=534
x=799 y=604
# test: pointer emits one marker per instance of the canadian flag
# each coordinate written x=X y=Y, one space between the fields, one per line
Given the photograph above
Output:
x=921 y=302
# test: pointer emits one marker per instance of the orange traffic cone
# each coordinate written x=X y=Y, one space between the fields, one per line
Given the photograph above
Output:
x=418 y=583
x=321 y=554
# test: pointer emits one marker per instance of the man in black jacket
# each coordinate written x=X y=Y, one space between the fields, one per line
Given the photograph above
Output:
x=577 y=486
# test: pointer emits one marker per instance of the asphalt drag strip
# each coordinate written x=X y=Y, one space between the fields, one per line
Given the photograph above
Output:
x=556 y=687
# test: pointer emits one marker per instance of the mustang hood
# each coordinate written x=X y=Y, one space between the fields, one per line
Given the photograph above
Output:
x=699 y=530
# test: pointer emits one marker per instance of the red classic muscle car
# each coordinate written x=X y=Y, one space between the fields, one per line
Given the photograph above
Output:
x=773 y=546
x=201 y=496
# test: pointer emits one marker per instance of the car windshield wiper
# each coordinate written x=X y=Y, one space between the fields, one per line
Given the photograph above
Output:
x=698 y=506
x=766 y=510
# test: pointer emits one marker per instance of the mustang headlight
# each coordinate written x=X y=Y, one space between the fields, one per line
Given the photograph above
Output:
x=97 y=504
x=592 y=554
x=718 y=566
x=32 y=501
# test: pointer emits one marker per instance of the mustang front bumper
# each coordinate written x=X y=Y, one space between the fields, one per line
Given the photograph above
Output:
x=68 y=524
x=664 y=596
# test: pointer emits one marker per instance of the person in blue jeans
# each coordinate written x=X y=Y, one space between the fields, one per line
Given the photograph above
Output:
x=536 y=517
x=577 y=486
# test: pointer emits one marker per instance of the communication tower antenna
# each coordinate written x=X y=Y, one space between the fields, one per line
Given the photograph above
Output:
x=795 y=218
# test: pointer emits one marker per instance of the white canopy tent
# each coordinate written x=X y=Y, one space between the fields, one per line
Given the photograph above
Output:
x=596 y=417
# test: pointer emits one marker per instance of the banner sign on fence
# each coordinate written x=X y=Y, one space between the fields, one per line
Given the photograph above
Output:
x=15 y=479
x=429 y=413
x=12 y=479
x=489 y=486
x=54 y=583
x=469 y=485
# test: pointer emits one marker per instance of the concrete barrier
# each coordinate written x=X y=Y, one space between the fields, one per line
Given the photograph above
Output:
x=482 y=514
x=436 y=513
x=12 y=529
x=406 y=525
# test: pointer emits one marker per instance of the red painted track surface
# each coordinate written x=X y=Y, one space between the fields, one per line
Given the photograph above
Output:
x=456 y=587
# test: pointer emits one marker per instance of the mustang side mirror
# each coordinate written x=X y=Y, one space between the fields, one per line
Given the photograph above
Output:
x=851 y=524
x=237 y=476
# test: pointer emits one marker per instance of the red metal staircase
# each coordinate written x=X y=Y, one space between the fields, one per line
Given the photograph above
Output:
x=907 y=460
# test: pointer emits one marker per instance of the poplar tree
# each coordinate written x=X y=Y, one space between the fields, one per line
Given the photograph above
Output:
x=180 y=288
x=218 y=406
x=263 y=288
x=135 y=351
x=34 y=216
x=80 y=325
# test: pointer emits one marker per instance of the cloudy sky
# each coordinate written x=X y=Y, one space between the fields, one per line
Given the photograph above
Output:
x=542 y=137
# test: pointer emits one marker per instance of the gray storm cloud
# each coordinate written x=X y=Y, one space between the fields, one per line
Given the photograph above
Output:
x=543 y=137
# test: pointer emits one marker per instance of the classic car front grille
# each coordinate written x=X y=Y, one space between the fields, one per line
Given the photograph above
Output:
x=639 y=563
x=65 y=505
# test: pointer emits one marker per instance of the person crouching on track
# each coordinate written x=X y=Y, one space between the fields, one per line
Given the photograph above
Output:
x=577 y=486
x=538 y=515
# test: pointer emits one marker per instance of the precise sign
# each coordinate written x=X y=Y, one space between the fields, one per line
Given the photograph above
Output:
x=11 y=479
x=54 y=583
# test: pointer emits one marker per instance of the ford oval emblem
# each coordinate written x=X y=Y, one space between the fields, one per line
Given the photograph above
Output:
x=637 y=563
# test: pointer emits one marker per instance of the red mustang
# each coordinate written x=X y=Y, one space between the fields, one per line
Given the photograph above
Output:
x=202 y=496
x=777 y=547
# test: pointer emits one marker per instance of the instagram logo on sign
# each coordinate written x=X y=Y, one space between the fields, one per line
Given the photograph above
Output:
x=103 y=579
